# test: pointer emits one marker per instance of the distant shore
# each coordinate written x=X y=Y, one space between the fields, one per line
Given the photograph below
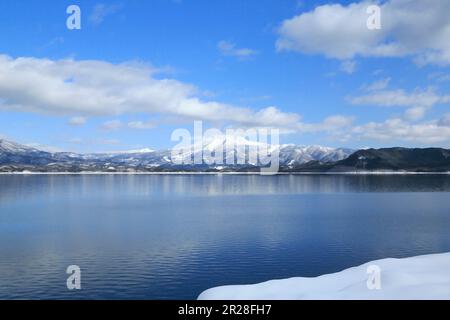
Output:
x=229 y=173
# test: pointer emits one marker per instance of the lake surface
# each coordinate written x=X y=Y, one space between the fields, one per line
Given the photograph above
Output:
x=173 y=236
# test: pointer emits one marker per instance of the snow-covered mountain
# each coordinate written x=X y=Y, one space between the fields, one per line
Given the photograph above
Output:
x=14 y=156
x=12 y=153
x=234 y=148
x=12 y=147
x=292 y=155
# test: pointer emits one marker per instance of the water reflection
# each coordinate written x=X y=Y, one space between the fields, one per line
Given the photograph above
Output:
x=172 y=237
x=19 y=187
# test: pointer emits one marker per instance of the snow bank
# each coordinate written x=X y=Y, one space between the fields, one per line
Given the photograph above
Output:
x=424 y=277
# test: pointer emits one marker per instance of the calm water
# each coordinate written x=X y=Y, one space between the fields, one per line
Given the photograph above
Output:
x=171 y=237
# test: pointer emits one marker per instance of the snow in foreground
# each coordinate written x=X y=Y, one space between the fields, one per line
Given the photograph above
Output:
x=424 y=277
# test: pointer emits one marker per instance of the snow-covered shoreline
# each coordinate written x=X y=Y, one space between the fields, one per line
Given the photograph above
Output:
x=417 y=278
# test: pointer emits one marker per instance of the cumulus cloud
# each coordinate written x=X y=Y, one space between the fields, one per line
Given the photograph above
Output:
x=392 y=98
x=408 y=28
x=330 y=124
x=406 y=129
x=98 y=88
x=417 y=102
x=396 y=129
x=229 y=49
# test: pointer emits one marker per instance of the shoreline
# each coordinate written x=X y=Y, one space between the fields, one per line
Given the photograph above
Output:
x=229 y=173
x=425 y=277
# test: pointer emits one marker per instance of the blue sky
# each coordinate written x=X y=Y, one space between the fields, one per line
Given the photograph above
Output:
x=311 y=68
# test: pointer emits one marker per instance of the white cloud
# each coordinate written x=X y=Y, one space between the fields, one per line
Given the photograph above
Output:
x=330 y=124
x=392 y=98
x=98 y=88
x=229 y=49
x=417 y=102
x=112 y=125
x=83 y=89
x=445 y=120
x=439 y=76
x=101 y=11
x=415 y=113
x=142 y=125
x=396 y=129
x=409 y=27
x=77 y=121
x=378 y=85
x=348 y=66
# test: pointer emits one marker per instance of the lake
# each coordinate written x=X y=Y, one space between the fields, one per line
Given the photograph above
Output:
x=173 y=236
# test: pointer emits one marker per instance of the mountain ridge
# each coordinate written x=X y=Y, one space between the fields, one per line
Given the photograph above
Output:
x=15 y=157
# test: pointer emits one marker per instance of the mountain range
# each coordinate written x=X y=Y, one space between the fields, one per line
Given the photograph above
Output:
x=15 y=157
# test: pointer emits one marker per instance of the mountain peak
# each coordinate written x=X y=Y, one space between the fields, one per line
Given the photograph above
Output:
x=9 y=146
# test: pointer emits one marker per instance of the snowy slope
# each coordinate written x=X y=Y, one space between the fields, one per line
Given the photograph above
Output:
x=417 y=278
x=290 y=155
x=12 y=147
